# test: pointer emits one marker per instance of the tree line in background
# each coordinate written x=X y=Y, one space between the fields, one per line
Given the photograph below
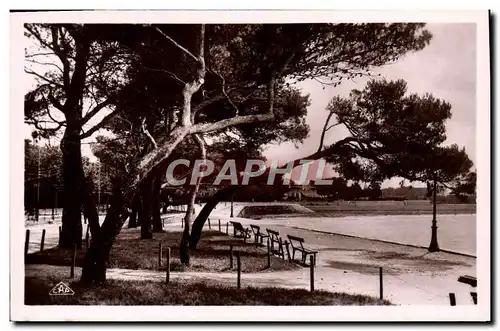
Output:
x=165 y=92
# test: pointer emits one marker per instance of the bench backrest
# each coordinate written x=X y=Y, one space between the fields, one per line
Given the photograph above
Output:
x=274 y=235
x=255 y=228
x=294 y=239
x=238 y=226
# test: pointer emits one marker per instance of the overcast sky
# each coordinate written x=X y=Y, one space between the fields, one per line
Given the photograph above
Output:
x=446 y=68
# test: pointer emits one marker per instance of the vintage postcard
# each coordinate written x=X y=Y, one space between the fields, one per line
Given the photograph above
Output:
x=250 y=166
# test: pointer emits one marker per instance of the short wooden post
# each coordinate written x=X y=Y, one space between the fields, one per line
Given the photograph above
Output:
x=219 y=226
x=42 y=243
x=27 y=242
x=238 y=265
x=381 y=281
x=268 y=254
x=182 y=223
x=160 y=252
x=60 y=230
x=231 y=256
x=453 y=301
x=168 y=265
x=227 y=228
x=474 y=297
x=209 y=225
x=311 y=268
x=72 y=273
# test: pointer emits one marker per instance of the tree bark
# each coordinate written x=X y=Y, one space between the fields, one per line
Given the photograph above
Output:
x=145 y=212
x=73 y=179
x=96 y=257
x=200 y=220
x=185 y=244
x=136 y=206
x=155 y=205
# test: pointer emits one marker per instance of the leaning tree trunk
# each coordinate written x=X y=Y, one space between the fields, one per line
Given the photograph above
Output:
x=73 y=182
x=200 y=220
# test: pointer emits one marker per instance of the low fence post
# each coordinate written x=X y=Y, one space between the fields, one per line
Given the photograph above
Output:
x=238 y=264
x=160 y=252
x=231 y=256
x=311 y=268
x=42 y=242
x=453 y=301
x=182 y=223
x=381 y=281
x=72 y=272
x=268 y=254
x=219 y=226
x=60 y=230
x=209 y=225
x=227 y=228
x=27 y=242
x=168 y=265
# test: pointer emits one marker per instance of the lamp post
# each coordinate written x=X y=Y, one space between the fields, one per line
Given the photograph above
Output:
x=37 y=215
x=434 y=246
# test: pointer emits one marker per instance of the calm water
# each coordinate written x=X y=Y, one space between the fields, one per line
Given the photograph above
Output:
x=455 y=232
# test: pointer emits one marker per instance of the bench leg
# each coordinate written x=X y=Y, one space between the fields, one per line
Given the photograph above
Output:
x=288 y=251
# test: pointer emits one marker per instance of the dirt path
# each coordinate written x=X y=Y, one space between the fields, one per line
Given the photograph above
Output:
x=411 y=275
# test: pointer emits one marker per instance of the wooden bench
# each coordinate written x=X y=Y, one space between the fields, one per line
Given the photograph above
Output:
x=239 y=231
x=297 y=244
x=472 y=281
x=274 y=238
x=259 y=236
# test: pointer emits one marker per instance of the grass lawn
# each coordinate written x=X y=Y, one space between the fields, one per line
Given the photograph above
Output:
x=413 y=207
x=212 y=253
x=186 y=292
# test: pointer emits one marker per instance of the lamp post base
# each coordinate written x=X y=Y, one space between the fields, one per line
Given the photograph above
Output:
x=434 y=246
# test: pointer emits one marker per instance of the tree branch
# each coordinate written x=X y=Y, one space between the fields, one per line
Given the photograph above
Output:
x=146 y=132
x=43 y=77
x=172 y=75
x=45 y=64
x=225 y=94
x=99 y=126
x=94 y=111
x=176 y=44
x=322 y=138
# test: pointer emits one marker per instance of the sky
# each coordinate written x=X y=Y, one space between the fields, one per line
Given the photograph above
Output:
x=446 y=68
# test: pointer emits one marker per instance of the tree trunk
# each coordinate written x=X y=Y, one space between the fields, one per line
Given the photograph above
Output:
x=155 y=205
x=136 y=206
x=96 y=257
x=145 y=211
x=73 y=179
x=199 y=222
